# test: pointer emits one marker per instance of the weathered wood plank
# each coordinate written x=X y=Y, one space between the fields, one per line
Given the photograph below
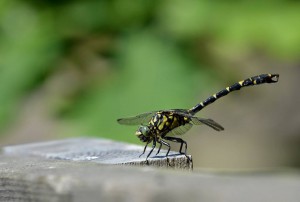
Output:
x=100 y=151
x=27 y=178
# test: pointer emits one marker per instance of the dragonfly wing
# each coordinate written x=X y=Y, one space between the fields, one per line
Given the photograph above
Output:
x=209 y=122
x=136 y=120
x=182 y=112
x=180 y=130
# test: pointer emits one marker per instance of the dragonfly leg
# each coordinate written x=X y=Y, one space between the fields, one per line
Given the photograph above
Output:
x=179 y=140
x=168 y=145
x=144 y=149
x=153 y=146
x=160 y=144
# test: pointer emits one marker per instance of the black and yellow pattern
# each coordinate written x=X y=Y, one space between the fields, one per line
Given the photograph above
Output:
x=158 y=126
x=255 y=80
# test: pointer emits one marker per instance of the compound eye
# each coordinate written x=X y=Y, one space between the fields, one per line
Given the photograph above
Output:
x=144 y=130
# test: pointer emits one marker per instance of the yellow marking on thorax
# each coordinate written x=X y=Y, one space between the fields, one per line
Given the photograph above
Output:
x=151 y=122
x=174 y=123
x=254 y=81
x=165 y=119
x=161 y=126
x=163 y=122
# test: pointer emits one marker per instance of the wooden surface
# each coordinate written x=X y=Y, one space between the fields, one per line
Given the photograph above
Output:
x=101 y=151
x=69 y=171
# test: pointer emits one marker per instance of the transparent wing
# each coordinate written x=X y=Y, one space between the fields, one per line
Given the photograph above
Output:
x=136 y=120
x=209 y=122
x=180 y=130
x=181 y=112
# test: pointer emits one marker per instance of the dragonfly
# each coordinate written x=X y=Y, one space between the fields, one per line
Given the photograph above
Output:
x=162 y=126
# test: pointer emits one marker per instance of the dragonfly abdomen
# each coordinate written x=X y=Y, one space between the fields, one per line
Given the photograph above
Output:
x=255 y=80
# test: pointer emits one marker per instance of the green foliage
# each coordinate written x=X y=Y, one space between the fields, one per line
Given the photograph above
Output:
x=129 y=56
x=28 y=45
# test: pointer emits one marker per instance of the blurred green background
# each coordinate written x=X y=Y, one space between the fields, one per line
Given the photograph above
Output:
x=71 y=68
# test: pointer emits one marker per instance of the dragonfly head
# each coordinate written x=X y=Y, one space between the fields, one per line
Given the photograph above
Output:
x=143 y=133
x=143 y=130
